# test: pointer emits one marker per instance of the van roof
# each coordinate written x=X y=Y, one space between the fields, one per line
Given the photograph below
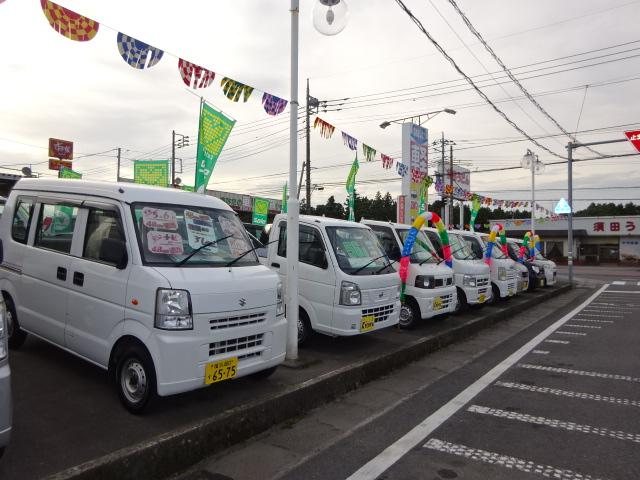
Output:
x=326 y=221
x=126 y=192
x=381 y=223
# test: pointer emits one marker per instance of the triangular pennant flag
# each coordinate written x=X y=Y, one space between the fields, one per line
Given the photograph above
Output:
x=349 y=141
x=68 y=23
x=402 y=169
x=234 y=90
x=195 y=76
x=273 y=105
x=138 y=54
x=387 y=161
x=368 y=152
x=326 y=129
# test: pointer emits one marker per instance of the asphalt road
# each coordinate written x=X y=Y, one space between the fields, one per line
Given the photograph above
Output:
x=557 y=399
x=603 y=273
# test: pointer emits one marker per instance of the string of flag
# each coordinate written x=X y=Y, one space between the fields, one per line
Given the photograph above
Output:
x=140 y=55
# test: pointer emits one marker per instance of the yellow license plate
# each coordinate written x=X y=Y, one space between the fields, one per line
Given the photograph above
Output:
x=437 y=303
x=525 y=285
x=367 y=323
x=220 y=370
x=482 y=298
x=510 y=292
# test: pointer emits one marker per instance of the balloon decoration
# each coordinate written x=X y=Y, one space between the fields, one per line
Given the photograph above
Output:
x=503 y=240
x=68 y=23
x=491 y=243
x=411 y=239
x=536 y=242
x=526 y=244
x=474 y=214
x=136 y=53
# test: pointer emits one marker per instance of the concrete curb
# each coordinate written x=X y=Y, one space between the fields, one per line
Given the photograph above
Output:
x=182 y=448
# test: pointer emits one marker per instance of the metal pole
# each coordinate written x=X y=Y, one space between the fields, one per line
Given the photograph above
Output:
x=461 y=215
x=450 y=183
x=534 y=161
x=293 y=205
x=308 y=163
x=444 y=209
x=118 y=173
x=570 y=148
x=173 y=158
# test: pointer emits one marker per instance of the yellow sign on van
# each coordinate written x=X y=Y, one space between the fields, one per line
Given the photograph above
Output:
x=367 y=323
x=220 y=370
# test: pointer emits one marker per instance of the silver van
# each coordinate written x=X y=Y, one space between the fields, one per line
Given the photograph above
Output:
x=5 y=382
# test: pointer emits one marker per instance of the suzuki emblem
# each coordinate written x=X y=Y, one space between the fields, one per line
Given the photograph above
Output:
x=242 y=302
x=381 y=294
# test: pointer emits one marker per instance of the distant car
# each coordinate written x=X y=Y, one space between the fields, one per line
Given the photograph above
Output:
x=260 y=232
x=261 y=249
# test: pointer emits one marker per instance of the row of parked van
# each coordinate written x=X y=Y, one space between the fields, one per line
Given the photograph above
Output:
x=164 y=290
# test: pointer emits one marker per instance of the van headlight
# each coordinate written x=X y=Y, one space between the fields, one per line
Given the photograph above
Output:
x=398 y=292
x=3 y=331
x=502 y=273
x=469 y=280
x=350 y=294
x=425 y=281
x=173 y=310
x=280 y=301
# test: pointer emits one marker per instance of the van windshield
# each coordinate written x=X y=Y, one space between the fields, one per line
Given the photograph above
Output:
x=168 y=234
x=496 y=252
x=358 y=251
x=422 y=249
x=459 y=248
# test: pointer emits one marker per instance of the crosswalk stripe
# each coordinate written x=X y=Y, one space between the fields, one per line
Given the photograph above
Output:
x=580 y=326
x=579 y=334
x=592 y=320
x=584 y=373
x=617 y=282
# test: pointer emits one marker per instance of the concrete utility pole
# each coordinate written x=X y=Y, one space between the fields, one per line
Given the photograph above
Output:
x=301 y=175
x=451 y=183
x=173 y=158
x=312 y=107
x=444 y=208
x=118 y=173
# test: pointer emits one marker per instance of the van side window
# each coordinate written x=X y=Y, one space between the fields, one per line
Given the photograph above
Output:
x=311 y=246
x=388 y=241
x=22 y=220
x=104 y=228
x=55 y=227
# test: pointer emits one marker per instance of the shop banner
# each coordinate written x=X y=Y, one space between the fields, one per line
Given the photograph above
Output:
x=65 y=172
x=260 y=211
x=213 y=133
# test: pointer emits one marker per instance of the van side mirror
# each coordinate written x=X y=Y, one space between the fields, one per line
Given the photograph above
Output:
x=114 y=251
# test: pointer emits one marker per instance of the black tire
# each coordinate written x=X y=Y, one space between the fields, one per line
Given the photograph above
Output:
x=17 y=336
x=409 y=314
x=495 y=297
x=133 y=367
x=461 y=302
x=1 y=452
x=304 y=328
x=262 y=374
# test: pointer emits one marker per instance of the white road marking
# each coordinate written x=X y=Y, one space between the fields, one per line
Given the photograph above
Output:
x=599 y=315
x=622 y=291
x=592 y=320
x=580 y=326
x=394 y=452
x=617 y=282
x=513 y=463
x=579 y=334
x=555 y=423
x=566 y=393
x=639 y=284
x=541 y=352
x=583 y=373
x=563 y=342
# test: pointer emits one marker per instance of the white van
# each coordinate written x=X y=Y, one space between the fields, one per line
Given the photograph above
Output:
x=5 y=382
x=549 y=267
x=430 y=289
x=347 y=285
x=522 y=272
x=504 y=277
x=471 y=276
x=158 y=286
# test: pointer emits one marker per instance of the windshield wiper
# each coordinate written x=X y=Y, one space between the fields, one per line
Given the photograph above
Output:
x=385 y=266
x=368 y=263
x=243 y=254
x=205 y=245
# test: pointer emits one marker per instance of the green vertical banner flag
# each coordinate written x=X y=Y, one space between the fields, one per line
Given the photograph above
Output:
x=65 y=172
x=424 y=194
x=260 y=211
x=351 y=188
x=151 y=172
x=283 y=208
x=213 y=133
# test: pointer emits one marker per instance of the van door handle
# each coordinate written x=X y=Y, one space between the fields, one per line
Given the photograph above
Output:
x=62 y=273
x=274 y=264
x=78 y=278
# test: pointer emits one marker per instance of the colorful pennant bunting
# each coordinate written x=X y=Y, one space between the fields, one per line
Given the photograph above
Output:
x=368 y=152
x=326 y=129
x=138 y=54
x=349 y=141
x=195 y=76
x=401 y=168
x=273 y=105
x=68 y=23
x=387 y=161
x=235 y=90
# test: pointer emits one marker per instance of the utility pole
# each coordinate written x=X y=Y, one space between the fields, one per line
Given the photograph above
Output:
x=173 y=158
x=444 y=212
x=451 y=183
x=301 y=175
x=118 y=173
x=312 y=107
x=444 y=208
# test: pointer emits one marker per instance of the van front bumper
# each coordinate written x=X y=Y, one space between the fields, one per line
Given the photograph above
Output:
x=436 y=301
x=5 y=405
x=550 y=276
x=507 y=288
x=181 y=359
x=348 y=321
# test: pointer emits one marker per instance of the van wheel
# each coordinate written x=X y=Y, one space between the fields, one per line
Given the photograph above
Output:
x=304 y=328
x=496 y=293
x=262 y=374
x=135 y=378
x=1 y=452
x=461 y=302
x=409 y=314
x=17 y=336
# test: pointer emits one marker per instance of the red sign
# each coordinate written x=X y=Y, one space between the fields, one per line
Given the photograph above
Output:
x=62 y=149
x=400 y=212
x=55 y=164
x=634 y=138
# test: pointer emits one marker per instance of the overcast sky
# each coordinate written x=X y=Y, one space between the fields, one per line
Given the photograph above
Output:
x=85 y=92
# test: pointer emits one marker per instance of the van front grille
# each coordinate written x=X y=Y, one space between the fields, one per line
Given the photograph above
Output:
x=482 y=282
x=237 y=321
x=235 y=344
x=379 y=313
x=444 y=282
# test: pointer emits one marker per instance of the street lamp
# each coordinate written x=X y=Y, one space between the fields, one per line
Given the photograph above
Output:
x=530 y=161
x=429 y=116
x=335 y=20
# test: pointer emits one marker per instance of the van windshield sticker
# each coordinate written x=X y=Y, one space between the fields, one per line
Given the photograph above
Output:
x=166 y=243
x=200 y=230
x=237 y=244
x=159 y=218
x=354 y=249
